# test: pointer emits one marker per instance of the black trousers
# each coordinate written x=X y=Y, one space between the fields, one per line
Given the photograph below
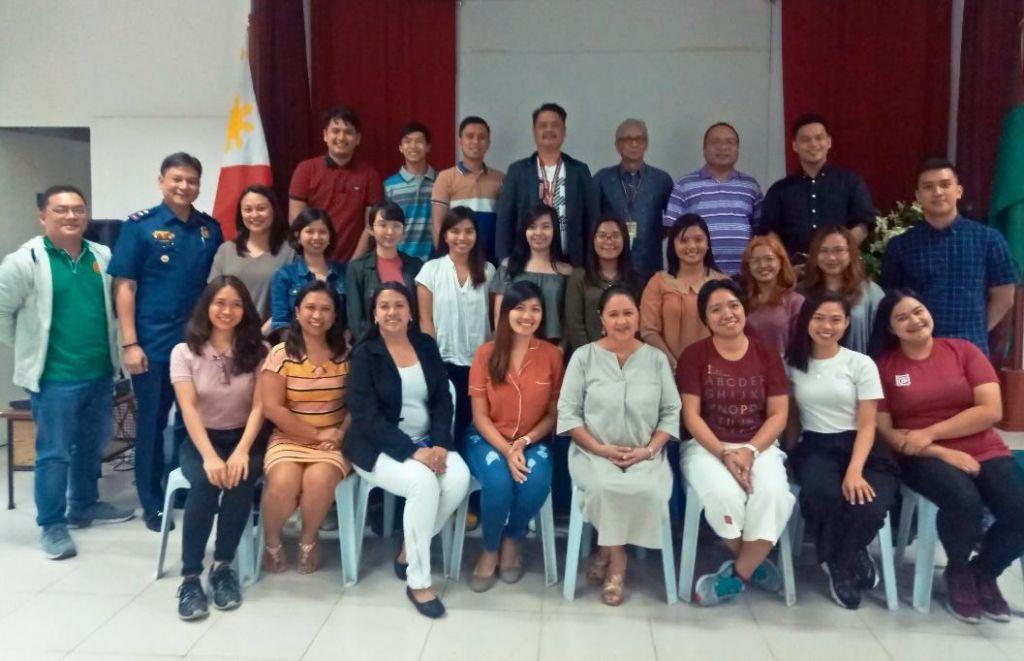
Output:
x=459 y=376
x=232 y=507
x=839 y=527
x=962 y=500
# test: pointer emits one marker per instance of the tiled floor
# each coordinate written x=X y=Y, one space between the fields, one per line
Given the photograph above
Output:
x=104 y=604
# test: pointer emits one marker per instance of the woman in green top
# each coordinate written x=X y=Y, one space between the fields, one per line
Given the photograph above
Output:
x=608 y=261
x=537 y=257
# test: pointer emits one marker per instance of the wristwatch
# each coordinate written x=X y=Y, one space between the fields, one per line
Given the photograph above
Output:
x=757 y=453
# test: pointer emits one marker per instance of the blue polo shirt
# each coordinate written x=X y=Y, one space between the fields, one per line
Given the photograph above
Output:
x=169 y=259
x=951 y=270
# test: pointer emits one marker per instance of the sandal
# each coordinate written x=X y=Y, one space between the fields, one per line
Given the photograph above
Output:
x=596 y=570
x=611 y=593
x=274 y=561
x=309 y=558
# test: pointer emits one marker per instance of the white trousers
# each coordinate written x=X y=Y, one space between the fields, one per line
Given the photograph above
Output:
x=430 y=500
x=731 y=511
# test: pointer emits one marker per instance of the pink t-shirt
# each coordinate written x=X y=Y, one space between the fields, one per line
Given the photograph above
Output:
x=733 y=393
x=919 y=393
x=390 y=269
x=224 y=399
x=773 y=324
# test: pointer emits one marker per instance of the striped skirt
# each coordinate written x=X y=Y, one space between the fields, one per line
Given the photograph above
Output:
x=281 y=449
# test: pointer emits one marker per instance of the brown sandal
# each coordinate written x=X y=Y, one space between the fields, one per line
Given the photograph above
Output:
x=611 y=593
x=596 y=570
x=309 y=558
x=273 y=559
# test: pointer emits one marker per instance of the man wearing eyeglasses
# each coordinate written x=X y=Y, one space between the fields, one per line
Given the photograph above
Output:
x=638 y=193
x=728 y=200
x=56 y=313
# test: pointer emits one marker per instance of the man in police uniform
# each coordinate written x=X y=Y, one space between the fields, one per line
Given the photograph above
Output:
x=160 y=264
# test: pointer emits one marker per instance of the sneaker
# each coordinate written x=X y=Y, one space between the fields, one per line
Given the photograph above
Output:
x=865 y=570
x=99 y=513
x=842 y=583
x=962 y=598
x=192 y=604
x=57 y=543
x=723 y=585
x=990 y=599
x=767 y=577
x=224 y=585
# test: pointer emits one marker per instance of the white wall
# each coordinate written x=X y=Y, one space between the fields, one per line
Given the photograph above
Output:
x=678 y=64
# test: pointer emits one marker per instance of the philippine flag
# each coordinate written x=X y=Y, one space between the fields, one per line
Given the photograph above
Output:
x=246 y=160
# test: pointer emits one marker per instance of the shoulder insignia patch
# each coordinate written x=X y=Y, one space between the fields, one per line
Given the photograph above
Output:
x=139 y=215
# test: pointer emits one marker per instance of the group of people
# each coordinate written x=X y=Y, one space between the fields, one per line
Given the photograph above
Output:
x=320 y=342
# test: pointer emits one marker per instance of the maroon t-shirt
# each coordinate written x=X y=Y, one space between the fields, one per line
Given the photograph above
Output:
x=919 y=393
x=733 y=393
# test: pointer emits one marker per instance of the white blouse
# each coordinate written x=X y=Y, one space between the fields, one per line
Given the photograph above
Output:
x=460 y=311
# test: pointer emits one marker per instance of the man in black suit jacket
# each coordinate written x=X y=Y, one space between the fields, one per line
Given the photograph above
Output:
x=552 y=177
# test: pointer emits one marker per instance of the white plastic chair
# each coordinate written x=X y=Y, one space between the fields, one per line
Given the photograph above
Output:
x=574 y=547
x=545 y=522
x=688 y=557
x=250 y=546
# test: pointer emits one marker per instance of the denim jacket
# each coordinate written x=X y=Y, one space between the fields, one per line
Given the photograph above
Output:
x=289 y=281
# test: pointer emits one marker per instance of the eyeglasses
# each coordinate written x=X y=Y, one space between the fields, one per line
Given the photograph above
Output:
x=639 y=139
x=608 y=236
x=723 y=142
x=66 y=211
x=833 y=252
x=386 y=226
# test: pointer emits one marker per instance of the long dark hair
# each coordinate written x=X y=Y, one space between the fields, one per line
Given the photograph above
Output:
x=798 y=353
x=853 y=275
x=278 y=225
x=295 y=345
x=455 y=216
x=516 y=294
x=683 y=223
x=247 y=347
x=625 y=272
x=882 y=338
x=372 y=329
x=521 y=247
x=307 y=217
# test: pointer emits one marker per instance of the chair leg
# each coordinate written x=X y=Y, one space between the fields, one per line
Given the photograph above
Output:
x=362 y=502
x=388 y=524
x=688 y=554
x=447 y=531
x=786 y=560
x=260 y=545
x=165 y=529
x=892 y=601
x=907 y=508
x=349 y=532
x=246 y=554
x=586 y=540
x=572 y=547
x=459 y=541
x=546 y=526
x=668 y=559
x=924 y=567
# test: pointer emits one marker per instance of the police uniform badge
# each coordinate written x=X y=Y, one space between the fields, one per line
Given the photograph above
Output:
x=164 y=237
x=204 y=232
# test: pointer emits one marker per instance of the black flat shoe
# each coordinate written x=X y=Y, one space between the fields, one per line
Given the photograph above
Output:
x=432 y=609
x=155 y=519
x=401 y=568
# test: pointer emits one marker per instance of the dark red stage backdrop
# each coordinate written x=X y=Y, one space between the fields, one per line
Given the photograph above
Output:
x=879 y=72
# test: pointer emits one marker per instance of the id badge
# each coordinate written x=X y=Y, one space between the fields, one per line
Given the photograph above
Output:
x=631 y=228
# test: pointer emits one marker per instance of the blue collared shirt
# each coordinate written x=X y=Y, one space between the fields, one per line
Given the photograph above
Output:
x=289 y=281
x=169 y=259
x=951 y=270
x=639 y=197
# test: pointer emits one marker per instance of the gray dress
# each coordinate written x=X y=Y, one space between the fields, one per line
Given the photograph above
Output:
x=256 y=273
x=621 y=406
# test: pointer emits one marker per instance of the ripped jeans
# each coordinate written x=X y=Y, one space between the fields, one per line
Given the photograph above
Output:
x=505 y=506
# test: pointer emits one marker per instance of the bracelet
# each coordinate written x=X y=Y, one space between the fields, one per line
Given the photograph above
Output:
x=651 y=453
x=129 y=345
x=529 y=441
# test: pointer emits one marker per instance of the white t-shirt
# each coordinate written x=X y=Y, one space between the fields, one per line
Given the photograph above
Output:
x=828 y=392
x=460 y=312
x=559 y=200
x=415 y=417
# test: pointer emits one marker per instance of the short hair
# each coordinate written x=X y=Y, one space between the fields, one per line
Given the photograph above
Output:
x=414 y=127
x=307 y=217
x=710 y=287
x=935 y=163
x=550 y=107
x=808 y=118
x=627 y=124
x=715 y=126
x=342 y=114
x=388 y=210
x=473 y=119
x=180 y=159
x=43 y=198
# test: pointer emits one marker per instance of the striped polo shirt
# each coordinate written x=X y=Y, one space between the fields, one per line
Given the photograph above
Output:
x=460 y=186
x=412 y=193
x=730 y=208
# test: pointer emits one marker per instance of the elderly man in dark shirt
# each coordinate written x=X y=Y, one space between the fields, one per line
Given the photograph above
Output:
x=819 y=195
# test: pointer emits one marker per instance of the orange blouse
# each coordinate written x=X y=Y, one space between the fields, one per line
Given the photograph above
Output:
x=669 y=309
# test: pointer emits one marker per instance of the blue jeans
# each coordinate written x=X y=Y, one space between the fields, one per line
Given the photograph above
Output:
x=74 y=421
x=154 y=396
x=505 y=506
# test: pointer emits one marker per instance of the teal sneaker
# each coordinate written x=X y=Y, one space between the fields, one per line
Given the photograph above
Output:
x=57 y=543
x=99 y=512
x=723 y=585
x=767 y=577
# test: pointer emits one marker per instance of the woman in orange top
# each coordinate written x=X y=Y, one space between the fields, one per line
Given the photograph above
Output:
x=514 y=384
x=668 y=308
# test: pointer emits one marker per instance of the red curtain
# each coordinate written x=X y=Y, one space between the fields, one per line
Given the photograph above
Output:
x=394 y=62
x=879 y=72
x=277 y=38
x=988 y=58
